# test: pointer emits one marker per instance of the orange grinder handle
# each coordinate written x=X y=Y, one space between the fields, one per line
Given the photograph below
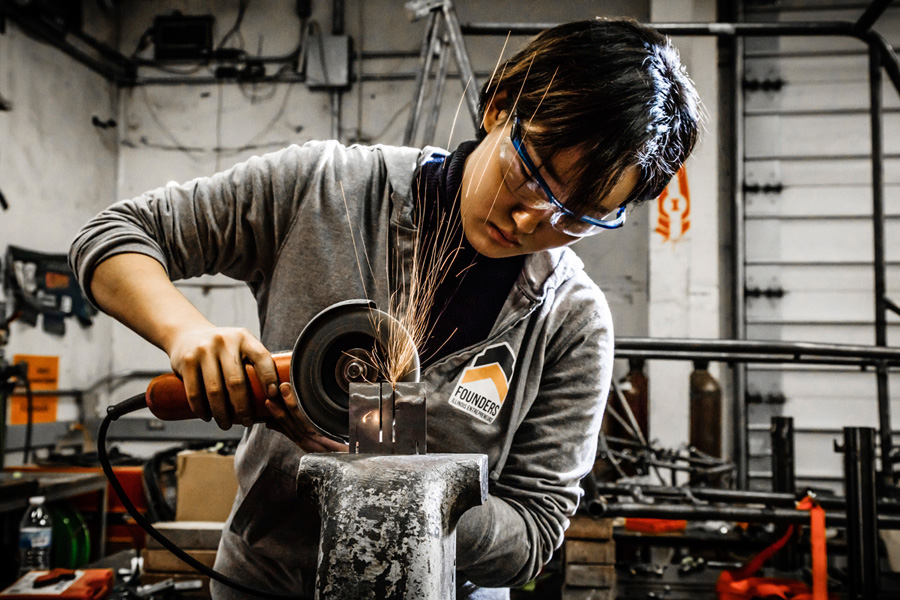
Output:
x=168 y=401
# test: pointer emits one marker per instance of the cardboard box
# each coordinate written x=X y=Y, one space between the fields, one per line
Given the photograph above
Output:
x=206 y=486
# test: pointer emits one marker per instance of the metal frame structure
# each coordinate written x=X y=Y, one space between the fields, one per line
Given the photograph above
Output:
x=881 y=55
x=738 y=352
x=860 y=512
x=753 y=351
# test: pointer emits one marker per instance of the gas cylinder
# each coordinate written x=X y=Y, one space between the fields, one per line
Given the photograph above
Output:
x=706 y=411
x=637 y=395
x=634 y=390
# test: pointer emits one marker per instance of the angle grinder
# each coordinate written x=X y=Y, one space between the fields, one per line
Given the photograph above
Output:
x=344 y=343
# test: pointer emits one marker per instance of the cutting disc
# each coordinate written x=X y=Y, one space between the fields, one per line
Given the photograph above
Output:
x=336 y=348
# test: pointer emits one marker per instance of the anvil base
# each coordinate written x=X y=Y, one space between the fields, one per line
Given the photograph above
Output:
x=389 y=522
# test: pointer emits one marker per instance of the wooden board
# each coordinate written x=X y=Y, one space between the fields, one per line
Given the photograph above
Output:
x=581 y=527
x=590 y=576
x=164 y=561
x=590 y=552
x=572 y=593
x=808 y=223
x=816 y=135
x=820 y=96
x=835 y=333
x=820 y=201
x=818 y=241
x=821 y=172
x=195 y=535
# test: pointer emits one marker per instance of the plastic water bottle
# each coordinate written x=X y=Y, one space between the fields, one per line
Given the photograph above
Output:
x=35 y=537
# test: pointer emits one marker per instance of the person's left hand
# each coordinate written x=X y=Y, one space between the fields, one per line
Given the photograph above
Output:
x=288 y=419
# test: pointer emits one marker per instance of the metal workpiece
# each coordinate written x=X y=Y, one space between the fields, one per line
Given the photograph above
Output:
x=387 y=419
x=756 y=351
x=744 y=514
x=784 y=480
x=880 y=358
x=346 y=343
x=703 y=495
x=862 y=512
x=882 y=303
x=699 y=503
x=389 y=522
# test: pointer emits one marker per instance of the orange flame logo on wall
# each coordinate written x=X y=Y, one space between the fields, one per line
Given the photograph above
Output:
x=674 y=204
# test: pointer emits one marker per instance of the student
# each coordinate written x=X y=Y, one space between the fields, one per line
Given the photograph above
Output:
x=587 y=119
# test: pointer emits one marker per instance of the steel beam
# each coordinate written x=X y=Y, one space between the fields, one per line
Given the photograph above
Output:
x=783 y=480
x=862 y=513
x=872 y=13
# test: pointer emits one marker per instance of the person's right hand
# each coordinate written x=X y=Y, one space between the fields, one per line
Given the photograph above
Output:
x=287 y=417
x=210 y=362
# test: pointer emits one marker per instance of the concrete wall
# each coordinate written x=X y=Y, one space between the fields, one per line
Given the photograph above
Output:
x=684 y=262
x=56 y=171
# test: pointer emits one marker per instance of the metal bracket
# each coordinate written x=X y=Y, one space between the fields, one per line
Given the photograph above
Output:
x=386 y=419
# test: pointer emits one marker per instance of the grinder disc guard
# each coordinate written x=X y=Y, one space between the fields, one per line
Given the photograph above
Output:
x=336 y=348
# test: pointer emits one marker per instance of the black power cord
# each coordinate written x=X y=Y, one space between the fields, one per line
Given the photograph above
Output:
x=19 y=373
x=113 y=413
x=29 y=424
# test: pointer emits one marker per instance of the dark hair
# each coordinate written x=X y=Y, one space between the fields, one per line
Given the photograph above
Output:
x=613 y=88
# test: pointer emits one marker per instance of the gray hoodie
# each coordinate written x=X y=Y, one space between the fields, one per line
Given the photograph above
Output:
x=279 y=222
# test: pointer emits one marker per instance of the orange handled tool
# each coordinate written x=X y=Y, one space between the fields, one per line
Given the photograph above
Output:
x=334 y=349
x=167 y=399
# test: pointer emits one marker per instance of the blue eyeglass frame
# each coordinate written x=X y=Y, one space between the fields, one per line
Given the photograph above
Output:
x=519 y=145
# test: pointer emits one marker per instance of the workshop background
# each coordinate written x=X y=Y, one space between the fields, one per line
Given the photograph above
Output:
x=766 y=235
x=74 y=142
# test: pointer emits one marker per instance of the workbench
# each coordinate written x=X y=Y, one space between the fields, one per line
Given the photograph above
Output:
x=16 y=487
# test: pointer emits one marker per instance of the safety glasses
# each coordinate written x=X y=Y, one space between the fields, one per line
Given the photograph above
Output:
x=536 y=194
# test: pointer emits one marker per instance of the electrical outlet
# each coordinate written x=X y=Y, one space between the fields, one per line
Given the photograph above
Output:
x=328 y=62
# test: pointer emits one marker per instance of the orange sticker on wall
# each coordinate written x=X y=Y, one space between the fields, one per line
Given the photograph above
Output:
x=674 y=209
x=43 y=373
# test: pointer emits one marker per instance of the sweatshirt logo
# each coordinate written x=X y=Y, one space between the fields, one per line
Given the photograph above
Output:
x=483 y=386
